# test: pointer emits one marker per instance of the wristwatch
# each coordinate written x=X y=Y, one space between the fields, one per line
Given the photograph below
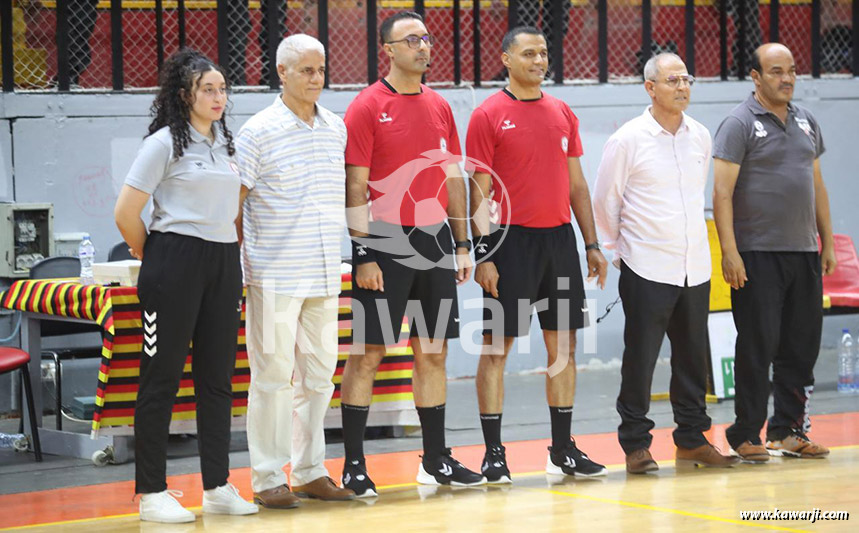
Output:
x=592 y=246
x=463 y=244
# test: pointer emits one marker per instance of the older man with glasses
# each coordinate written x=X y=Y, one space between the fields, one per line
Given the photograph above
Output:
x=649 y=207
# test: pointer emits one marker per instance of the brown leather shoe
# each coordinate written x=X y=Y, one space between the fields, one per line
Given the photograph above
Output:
x=325 y=489
x=277 y=498
x=752 y=453
x=705 y=455
x=640 y=462
x=797 y=446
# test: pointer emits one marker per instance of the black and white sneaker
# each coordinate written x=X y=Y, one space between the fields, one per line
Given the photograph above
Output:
x=355 y=477
x=494 y=467
x=572 y=461
x=448 y=471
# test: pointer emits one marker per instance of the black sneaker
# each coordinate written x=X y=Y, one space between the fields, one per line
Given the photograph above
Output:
x=494 y=466
x=355 y=477
x=572 y=461
x=448 y=471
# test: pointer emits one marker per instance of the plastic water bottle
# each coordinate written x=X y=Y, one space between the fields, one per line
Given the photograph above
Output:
x=845 y=363
x=86 y=253
x=17 y=441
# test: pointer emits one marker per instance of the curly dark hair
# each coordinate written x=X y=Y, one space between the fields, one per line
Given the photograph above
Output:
x=179 y=78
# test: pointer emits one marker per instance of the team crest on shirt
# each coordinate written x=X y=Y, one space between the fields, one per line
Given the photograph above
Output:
x=759 y=129
x=385 y=118
x=443 y=145
x=565 y=143
x=804 y=125
x=199 y=164
x=508 y=125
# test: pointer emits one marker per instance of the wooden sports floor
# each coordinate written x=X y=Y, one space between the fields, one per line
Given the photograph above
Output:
x=672 y=499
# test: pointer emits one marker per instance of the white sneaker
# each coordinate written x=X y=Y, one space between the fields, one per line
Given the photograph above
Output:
x=227 y=500
x=163 y=507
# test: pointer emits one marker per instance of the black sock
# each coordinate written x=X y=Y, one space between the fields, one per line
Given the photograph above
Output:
x=562 y=419
x=491 y=424
x=432 y=429
x=354 y=423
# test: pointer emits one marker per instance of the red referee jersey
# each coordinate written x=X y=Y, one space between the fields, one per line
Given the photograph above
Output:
x=407 y=141
x=526 y=144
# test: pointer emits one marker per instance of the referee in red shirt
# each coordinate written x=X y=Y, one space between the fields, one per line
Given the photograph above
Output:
x=402 y=155
x=523 y=148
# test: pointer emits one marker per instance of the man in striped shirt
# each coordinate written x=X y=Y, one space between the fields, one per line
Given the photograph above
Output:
x=293 y=188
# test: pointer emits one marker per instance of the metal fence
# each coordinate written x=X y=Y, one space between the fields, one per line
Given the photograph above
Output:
x=120 y=44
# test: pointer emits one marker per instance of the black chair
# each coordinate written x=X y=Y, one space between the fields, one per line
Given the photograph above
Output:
x=63 y=267
x=56 y=267
x=119 y=252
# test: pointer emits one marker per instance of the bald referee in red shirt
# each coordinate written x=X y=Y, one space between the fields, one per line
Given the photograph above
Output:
x=402 y=155
x=523 y=148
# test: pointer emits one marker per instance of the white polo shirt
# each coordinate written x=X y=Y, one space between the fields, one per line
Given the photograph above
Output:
x=649 y=200
x=294 y=215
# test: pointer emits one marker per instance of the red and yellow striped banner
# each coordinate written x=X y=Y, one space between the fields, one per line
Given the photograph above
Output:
x=117 y=311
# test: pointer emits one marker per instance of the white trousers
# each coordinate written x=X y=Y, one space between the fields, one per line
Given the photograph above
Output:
x=292 y=351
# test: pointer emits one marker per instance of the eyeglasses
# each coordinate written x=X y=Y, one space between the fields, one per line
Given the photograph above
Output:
x=414 y=41
x=674 y=80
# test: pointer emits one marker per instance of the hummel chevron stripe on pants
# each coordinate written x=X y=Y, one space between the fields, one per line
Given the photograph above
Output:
x=189 y=289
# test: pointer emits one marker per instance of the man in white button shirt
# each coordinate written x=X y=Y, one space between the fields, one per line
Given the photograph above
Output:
x=649 y=208
x=290 y=156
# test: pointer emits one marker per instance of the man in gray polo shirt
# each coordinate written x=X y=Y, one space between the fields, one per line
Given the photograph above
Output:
x=770 y=203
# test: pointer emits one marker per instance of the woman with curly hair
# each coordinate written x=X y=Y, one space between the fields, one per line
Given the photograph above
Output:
x=190 y=283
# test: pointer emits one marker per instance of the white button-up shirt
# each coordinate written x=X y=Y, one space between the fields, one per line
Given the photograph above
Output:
x=649 y=200
x=294 y=215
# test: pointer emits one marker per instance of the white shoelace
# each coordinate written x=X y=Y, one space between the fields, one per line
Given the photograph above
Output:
x=232 y=489
x=228 y=491
x=167 y=496
x=171 y=495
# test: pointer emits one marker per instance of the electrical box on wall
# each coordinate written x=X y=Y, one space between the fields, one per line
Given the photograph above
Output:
x=26 y=237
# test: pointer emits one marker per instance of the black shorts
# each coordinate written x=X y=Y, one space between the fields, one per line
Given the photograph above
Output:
x=419 y=283
x=536 y=266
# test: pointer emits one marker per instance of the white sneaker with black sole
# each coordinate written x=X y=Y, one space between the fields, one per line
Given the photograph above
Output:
x=448 y=471
x=164 y=507
x=571 y=461
x=227 y=500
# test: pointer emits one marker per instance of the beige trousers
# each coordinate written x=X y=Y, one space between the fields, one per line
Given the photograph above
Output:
x=292 y=350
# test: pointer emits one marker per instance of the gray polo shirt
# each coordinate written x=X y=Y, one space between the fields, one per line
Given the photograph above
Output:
x=196 y=195
x=774 y=196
